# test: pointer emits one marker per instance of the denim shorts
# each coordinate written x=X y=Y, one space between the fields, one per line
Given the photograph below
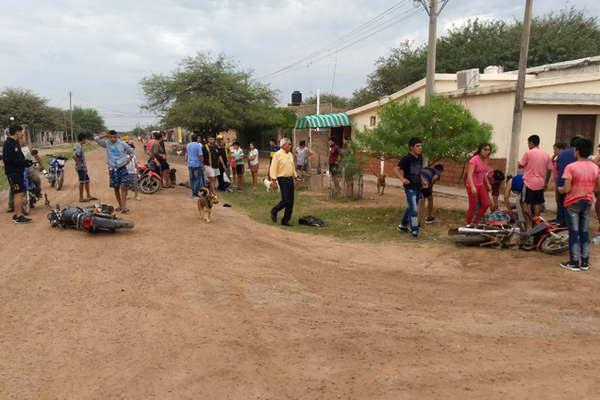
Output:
x=118 y=177
x=83 y=176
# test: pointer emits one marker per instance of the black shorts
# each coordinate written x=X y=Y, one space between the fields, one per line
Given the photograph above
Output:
x=426 y=192
x=334 y=169
x=239 y=169
x=533 y=196
x=16 y=183
x=164 y=165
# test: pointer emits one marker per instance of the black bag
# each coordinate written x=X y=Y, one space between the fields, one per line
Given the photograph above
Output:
x=311 y=221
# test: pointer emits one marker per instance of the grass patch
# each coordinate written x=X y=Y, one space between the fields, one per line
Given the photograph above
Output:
x=343 y=218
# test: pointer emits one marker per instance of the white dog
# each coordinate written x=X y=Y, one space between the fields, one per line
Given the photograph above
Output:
x=267 y=184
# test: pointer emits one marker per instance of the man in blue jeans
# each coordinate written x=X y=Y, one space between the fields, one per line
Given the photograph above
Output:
x=581 y=180
x=194 y=161
x=564 y=158
x=408 y=171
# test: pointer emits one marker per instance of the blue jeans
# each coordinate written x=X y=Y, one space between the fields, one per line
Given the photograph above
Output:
x=578 y=216
x=196 y=179
x=561 y=211
x=410 y=218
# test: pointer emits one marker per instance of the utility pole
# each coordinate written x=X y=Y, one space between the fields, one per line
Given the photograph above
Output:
x=433 y=10
x=431 y=49
x=71 y=115
x=520 y=91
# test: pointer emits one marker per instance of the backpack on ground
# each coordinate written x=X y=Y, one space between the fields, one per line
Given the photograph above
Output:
x=310 y=220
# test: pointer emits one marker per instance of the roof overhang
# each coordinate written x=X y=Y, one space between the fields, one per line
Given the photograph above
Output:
x=574 y=99
x=323 y=121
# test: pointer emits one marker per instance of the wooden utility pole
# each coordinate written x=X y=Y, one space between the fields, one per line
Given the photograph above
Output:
x=431 y=48
x=520 y=91
x=71 y=115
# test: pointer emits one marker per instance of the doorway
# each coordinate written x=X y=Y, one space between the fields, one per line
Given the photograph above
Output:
x=568 y=126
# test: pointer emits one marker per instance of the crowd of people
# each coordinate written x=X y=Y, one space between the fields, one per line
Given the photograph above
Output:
x=577 y=182
x=219 y=165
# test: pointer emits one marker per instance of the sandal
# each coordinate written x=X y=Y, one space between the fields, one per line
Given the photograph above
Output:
x=118 y=209
x=125 y=210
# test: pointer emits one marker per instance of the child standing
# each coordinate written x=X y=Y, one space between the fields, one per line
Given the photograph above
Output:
x=133 y=182
x=81 y=168
x=429 y=177
x=238 y=164
x=581 y=179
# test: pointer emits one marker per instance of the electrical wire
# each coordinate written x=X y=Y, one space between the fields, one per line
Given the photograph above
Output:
x=354 y=36
x=367 y=35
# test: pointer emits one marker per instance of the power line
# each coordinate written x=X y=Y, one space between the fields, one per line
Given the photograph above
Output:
x=335 y=51
x=365 y=29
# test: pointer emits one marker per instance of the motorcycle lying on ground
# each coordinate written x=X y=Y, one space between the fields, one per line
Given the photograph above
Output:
x=543 y=236
x=150 y=181
x=56 y=171
x=94 y=218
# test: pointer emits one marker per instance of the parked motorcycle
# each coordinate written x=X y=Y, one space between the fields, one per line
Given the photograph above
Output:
x=149 y=180
x=543 y=236
x=56 y=171
x=32 y=193
x=91 y=219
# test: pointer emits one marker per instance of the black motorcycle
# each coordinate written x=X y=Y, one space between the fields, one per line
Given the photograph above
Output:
x=91 y=219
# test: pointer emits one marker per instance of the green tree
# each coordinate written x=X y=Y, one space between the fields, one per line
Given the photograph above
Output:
x=555 y=37
x=87 y=121
x=448 y=130
x=336 y=101
x=208 y=95
x=27 y=108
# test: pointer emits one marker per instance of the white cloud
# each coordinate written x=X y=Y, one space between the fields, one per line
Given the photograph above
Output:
x=101 y=50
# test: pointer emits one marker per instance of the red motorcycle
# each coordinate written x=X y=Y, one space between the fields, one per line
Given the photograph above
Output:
x=150 y=181
x=543 y=236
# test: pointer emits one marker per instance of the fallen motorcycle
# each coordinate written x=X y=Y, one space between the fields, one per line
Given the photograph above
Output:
x=91 y=219
x=543 y=236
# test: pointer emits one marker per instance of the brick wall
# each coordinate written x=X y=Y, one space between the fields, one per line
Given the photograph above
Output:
x=452 y=170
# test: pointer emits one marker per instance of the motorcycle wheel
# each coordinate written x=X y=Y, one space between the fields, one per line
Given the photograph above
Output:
x=109 y=224
x=552 y=245
x=468 y=240
x=59 y=181
x=149 y=185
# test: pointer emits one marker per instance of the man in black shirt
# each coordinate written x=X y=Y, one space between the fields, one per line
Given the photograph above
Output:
x=408 y=171
x=14 y=167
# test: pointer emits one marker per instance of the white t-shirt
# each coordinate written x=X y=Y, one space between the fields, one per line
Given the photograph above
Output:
x=131 y=166
x=253 y=153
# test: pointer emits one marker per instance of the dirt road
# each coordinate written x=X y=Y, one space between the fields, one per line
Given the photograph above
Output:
x=178 y=309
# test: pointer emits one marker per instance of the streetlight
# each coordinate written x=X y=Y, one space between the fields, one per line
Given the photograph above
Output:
x=12 y=120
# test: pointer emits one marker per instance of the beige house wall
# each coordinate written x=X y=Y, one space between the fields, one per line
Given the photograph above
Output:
x=542 y=120
x=496 y=110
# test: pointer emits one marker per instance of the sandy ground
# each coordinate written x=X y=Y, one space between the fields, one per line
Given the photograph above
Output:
x=178 y=309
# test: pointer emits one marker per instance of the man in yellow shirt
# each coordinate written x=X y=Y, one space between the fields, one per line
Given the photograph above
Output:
x=283 y=168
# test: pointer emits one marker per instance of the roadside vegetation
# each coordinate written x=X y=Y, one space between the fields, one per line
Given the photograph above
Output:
x=344 y=219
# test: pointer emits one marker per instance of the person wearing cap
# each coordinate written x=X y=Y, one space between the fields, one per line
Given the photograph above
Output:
x=283 y=168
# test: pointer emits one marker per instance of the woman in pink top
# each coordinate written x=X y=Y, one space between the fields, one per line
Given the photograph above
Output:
x=476 y=183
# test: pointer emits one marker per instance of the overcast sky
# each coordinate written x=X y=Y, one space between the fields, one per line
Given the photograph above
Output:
x=101 y=49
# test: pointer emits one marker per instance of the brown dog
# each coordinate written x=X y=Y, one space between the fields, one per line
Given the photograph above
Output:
x=205 y=203
x=380 y=184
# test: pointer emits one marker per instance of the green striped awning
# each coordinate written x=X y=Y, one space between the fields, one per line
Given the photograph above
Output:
x=323 y=121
